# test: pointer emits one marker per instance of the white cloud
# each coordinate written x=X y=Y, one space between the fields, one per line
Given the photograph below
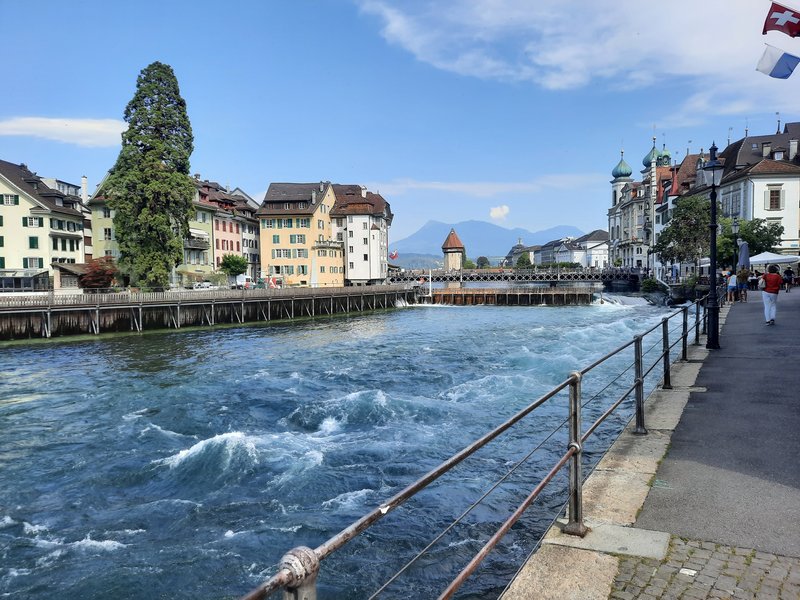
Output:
x=710 y=49
x=81 y=132
x=499 y=213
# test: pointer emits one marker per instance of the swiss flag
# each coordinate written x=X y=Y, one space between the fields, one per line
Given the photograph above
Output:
x=780 y=18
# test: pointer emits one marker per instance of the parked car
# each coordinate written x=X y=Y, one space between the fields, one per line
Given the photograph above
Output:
x=204 y=285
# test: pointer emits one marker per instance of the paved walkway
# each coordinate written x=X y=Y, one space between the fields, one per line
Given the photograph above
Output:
x=708 y=504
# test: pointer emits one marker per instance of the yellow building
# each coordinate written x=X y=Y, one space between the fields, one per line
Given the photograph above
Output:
x=198 y=255
x=297 y=241
x=39 y=226
x=103 y=241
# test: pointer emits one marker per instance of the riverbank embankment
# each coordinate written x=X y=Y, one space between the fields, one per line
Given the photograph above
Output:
x=706 y=504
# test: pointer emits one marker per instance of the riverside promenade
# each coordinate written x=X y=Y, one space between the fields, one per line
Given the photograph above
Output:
x=707 y=505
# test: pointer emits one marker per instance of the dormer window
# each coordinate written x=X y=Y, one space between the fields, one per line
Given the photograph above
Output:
x=778 y=155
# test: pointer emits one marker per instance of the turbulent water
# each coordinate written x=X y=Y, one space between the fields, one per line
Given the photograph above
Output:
x=184 y=464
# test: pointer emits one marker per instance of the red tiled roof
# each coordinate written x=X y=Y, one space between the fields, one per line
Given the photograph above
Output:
x=452 y=242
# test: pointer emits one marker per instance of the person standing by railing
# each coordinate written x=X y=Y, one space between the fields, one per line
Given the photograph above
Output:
x=770 y=284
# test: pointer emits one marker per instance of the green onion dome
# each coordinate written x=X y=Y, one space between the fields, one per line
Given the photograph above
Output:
x=622 y=169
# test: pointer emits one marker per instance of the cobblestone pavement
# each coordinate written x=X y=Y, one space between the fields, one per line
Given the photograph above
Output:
x=695 y=570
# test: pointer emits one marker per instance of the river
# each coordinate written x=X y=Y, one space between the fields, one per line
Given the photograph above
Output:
x=183 y=464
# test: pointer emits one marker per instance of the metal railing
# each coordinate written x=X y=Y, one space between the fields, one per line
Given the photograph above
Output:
x=298 y=569
x=131 y=296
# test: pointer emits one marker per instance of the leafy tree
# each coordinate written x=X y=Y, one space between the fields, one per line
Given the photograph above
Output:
x=233 y=265
x=99 y=273
x=524 y=261
x=687 y=237
x=650 y=285
x=149 y=187
x=483 y=262
x=468 y=264
x=760 y=235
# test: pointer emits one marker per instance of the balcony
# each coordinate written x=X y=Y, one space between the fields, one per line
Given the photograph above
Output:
x=196 y=244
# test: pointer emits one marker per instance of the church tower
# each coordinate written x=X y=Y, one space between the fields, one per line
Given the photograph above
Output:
x=621 y=180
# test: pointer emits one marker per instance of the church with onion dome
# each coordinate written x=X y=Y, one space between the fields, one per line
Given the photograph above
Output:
x=631 y=216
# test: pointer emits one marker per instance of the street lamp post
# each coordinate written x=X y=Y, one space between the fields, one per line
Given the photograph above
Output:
x=714 y=168
x=735 y=231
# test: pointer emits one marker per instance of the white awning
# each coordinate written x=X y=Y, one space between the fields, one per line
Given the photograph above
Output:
x=197 y=232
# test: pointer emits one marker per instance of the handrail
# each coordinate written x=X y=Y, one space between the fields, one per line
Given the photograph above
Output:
x=298 y=569
x=45 y=300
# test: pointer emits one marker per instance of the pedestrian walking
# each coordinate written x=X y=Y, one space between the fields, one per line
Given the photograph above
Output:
x=742 y=278
x=732 y=285
x=770 y=285
x=788 y=278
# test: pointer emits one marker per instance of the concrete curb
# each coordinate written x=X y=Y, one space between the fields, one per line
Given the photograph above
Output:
x=571 y=568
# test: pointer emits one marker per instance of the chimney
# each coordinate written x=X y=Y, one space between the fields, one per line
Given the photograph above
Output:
x=197 y=176
x=321 y=186
x=766 y=148
x=792 y=149
x=363 y=192
x=84 y=189
x=313 y=196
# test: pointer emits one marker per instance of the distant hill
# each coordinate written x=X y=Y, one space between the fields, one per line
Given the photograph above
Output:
x=479 y=237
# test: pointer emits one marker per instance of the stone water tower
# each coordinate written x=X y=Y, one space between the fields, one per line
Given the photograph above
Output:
x=453 y=252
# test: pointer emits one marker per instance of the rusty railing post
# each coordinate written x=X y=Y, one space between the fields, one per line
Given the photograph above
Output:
x=639 y=369
x=667 y=385
x=304 y=566
x=575 y=524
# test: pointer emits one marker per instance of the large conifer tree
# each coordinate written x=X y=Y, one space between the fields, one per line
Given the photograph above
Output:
x=149 y=187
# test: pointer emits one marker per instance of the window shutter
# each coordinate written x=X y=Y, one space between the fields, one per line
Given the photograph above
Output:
x=273 y=253
x=24 y=263
x=294 y=252
x=41 y=263
x=24 y=221
x=16 y=199
x=783 y=199
x=766 y=199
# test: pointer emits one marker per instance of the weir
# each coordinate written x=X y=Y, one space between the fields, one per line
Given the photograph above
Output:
x=48 y=314
x=528 y=296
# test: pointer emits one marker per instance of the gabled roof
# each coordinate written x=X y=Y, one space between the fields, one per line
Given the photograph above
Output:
x=452 y=242
x=686 y=174
x=554 y=243
x=294 y=194
x=749 y=150
x=31 y=184
x=569 y=245
x=598 y=235
x=765 y=166
x=356 y=200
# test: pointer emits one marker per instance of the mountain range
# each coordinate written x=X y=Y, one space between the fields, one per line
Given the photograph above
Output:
x=480 y=238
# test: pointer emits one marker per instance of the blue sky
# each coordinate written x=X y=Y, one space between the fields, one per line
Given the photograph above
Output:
x=508 y=111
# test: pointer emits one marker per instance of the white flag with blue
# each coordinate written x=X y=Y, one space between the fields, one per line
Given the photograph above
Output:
x=777 y=63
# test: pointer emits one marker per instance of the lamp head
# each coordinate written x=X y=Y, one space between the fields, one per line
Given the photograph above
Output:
x=713 y=166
